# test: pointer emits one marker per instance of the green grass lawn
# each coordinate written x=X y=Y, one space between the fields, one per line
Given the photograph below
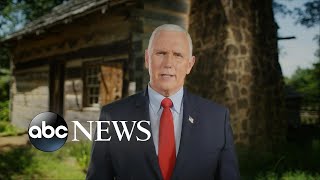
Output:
x=291 y=162
x=7 y=129
x=69 y=162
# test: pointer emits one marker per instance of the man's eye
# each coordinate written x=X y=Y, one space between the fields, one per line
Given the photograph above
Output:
x=161 y=53
x=178 y=55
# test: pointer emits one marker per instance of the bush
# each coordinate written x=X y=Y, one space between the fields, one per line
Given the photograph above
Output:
x=6 y=128
x=28 y=162
x=4 y=83
x=4 y=111
x=17 y=162
x=289 y=175
x=288 y=161
x=81 y=151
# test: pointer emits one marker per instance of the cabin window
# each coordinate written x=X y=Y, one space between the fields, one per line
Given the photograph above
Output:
x=92 y=85
x=102 y=82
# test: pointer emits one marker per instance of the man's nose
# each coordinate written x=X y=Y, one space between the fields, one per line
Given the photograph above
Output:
x=168 y=61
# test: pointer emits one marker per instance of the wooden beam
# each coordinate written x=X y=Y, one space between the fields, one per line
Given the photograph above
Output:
x=96 y=51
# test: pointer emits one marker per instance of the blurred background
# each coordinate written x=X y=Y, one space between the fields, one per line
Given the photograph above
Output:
x=261 y=59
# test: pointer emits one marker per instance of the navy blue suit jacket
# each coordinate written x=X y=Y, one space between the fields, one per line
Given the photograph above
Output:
x=206 y=146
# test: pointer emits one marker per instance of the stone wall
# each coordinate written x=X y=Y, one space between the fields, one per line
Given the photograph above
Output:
x=237 y=65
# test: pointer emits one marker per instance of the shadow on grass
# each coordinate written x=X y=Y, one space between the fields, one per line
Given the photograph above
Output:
x=16 y=161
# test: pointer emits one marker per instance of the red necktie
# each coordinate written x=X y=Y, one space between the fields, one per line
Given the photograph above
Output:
x=167 y=147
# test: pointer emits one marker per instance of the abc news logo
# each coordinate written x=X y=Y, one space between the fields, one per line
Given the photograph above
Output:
x=48 y=131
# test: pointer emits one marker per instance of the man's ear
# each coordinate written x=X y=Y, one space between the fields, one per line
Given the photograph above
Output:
x=146 y=59
x=191 y=62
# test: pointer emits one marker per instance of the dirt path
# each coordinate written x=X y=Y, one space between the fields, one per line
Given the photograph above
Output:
x=13 y=141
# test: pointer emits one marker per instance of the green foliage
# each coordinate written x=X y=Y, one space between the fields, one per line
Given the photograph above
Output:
x=4 y=59
x=6 y=128
x=33 y=9
x=10 y=17
x=81 y=152
x=14 y=14
x=4 y=111
x=4 y=83
x=17 y=161
x=309 y=15
x=279 y=8
x=289 y=161
x=289 y=175
x=307 y=82
x=29 y=163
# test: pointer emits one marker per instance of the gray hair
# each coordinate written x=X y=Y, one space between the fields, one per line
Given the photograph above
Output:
x=170 y=27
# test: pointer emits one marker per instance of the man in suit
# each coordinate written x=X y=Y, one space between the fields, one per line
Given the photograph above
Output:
x=191 y=136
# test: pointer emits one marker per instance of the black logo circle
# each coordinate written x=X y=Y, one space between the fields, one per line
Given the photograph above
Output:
x=48 y=131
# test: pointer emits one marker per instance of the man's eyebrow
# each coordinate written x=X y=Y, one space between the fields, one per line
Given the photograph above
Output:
x=177 y=53
x=166 y=51
x=160 y=50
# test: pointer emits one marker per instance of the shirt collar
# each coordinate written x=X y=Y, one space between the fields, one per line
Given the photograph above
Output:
x=155 y=99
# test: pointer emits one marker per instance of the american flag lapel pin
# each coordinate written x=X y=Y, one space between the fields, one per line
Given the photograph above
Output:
x=191 y=119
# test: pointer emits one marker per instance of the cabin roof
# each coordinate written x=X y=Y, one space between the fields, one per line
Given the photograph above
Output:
x=63 y=13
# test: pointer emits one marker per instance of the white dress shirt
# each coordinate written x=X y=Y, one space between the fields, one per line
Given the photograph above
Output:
x=155 y=111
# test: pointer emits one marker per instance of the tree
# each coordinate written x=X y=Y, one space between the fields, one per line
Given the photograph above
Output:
x=308 y=15
x=307 y=82
x=18 y=12
x=14 y=14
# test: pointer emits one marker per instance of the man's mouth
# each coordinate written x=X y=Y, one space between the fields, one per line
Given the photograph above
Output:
x=166 y=75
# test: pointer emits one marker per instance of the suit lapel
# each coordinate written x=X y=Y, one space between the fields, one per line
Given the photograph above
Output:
x=188 y=123
x=142 y=113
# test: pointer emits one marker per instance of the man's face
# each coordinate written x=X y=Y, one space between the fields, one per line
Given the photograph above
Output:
x=168 y=61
